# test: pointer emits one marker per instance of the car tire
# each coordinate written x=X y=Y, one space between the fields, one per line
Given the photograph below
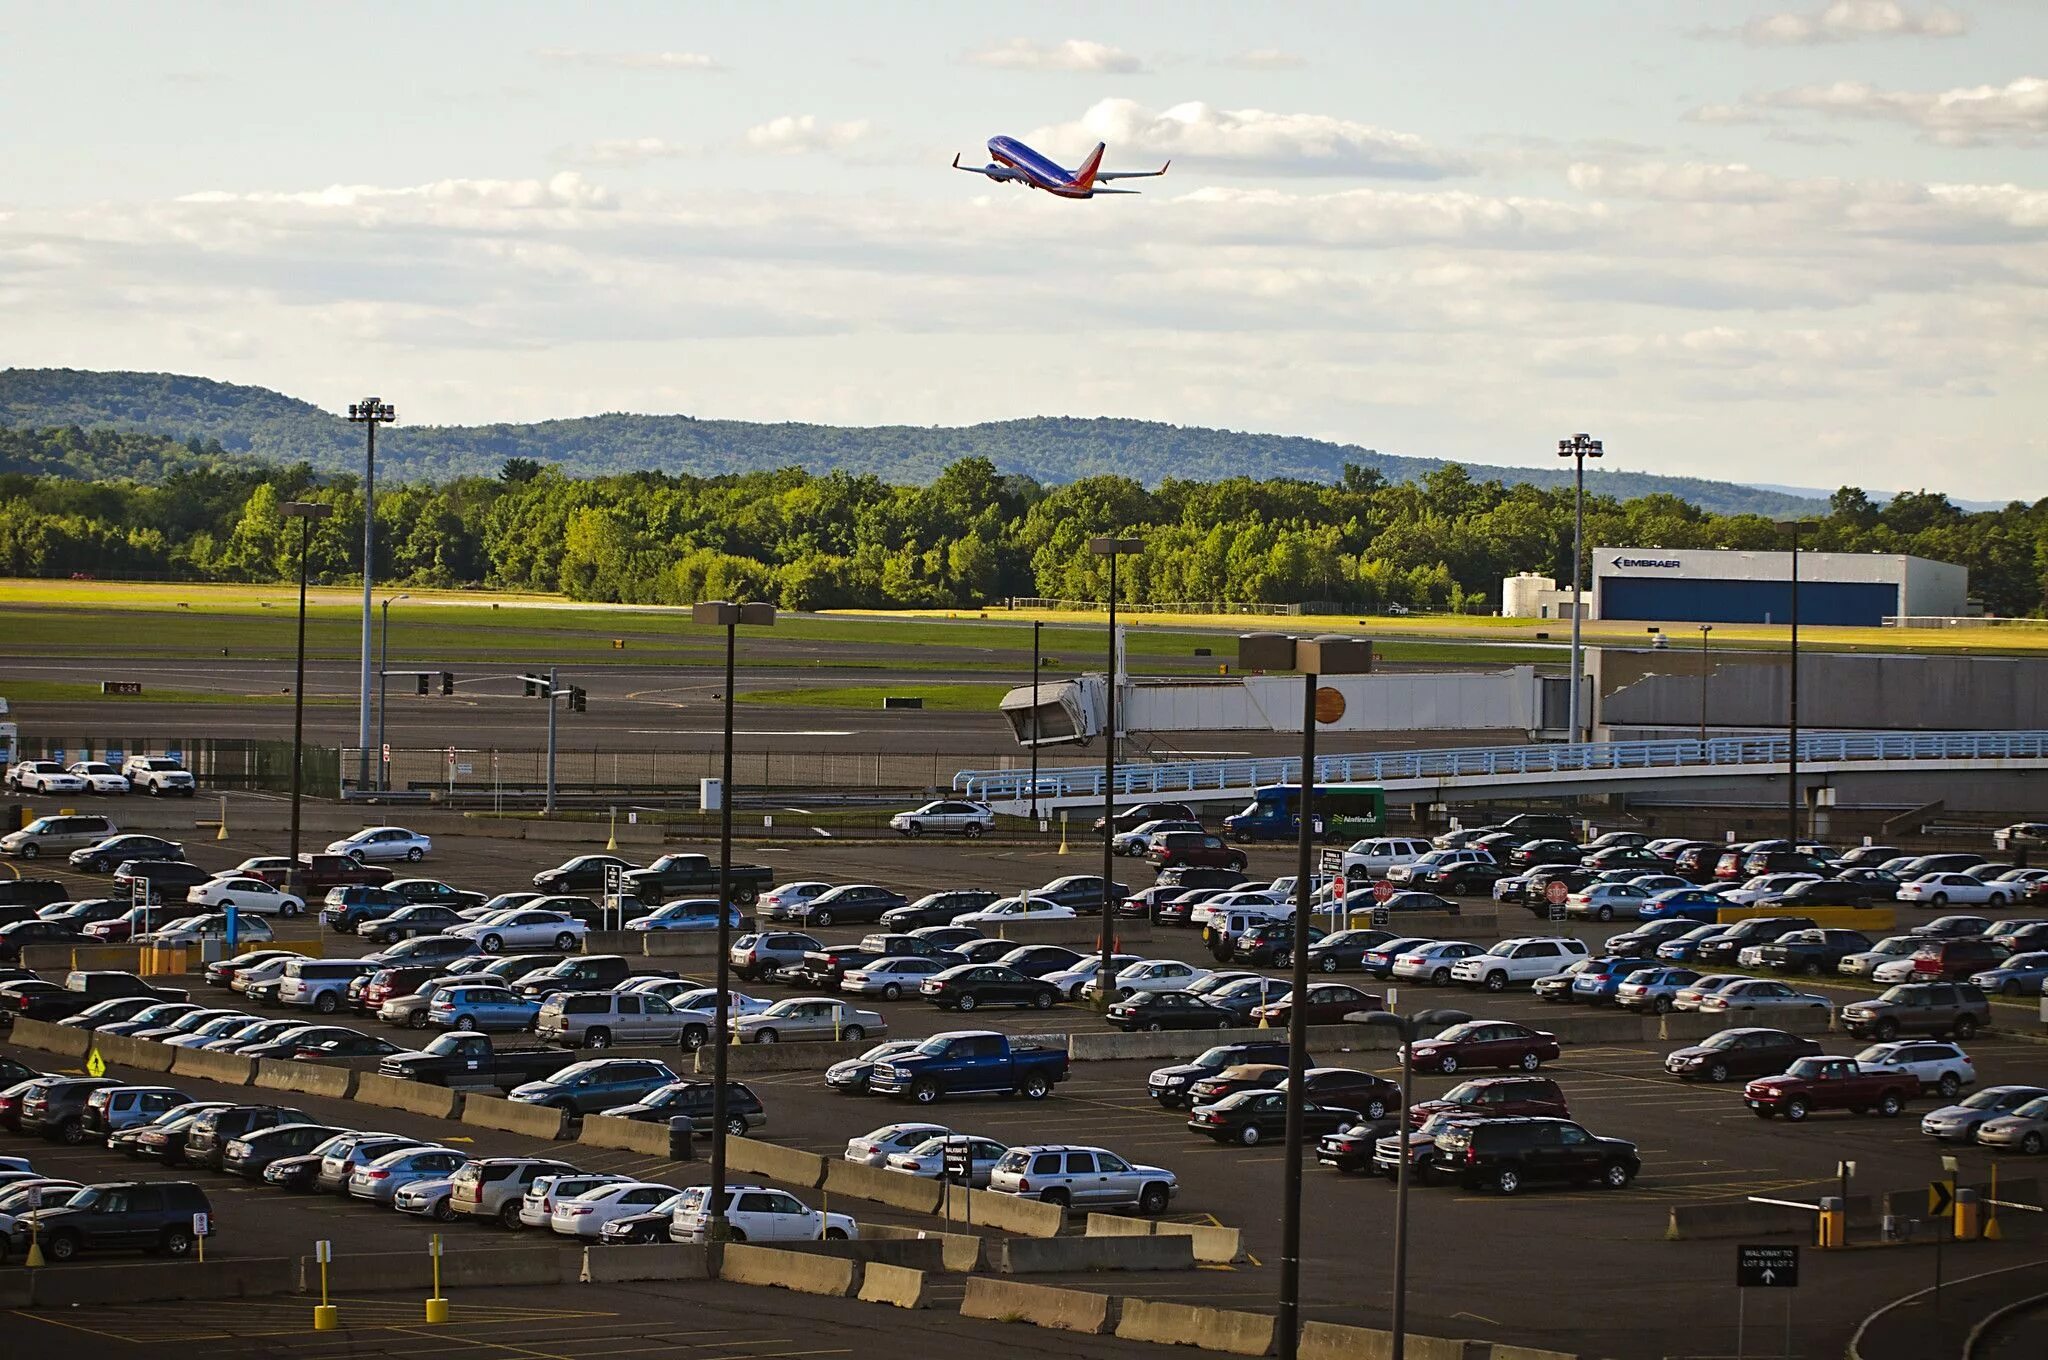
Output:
x=974 y=830
x=1604 y=912
x=1886 y=1029
x=853 y=1034
x=1529 y=1062
x=443 y=1210
x=1507 y=1180
x=1036 y=1087
x=1995 y=900
x=176 y=1241
x=417 y=1020
x=465 y=1023
x=1948 y=1085
x=1496 y=982
x=597 y=1036
x=1964 y=1027
x=1154 y=1199
x=1891 y=1105
x=1660 y=1005
x=1153 y=1027
x=414 y=855
x=1795 y=1109
x=2030 y=1144
x=565 y=943
x=1440 y=978
x=1249 y=1135
x=2009 y=987
x=1057 y=1197
x=326 y=1003
x=1328 y=963
x=1283 y=958
x=1616 y=1176
x=1447 y=1064
x=924 y=1093
x=1939 y=899
x=508 y=1215
x=914 y=829
x=819 y=918
x=966 y=1001
x=1043 y=1001
x=767 y=1036
x=30 y=850
x=737 y=1126
x=62 y=1246
x=491 y=944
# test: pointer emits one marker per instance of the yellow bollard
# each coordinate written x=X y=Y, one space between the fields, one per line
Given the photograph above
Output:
x=612 y=841
x=223 y=833
x=1969 y=1219
x=34 y=1259
x=437 y=1307
x=1063 y=834
x=1991 y=1230
x=326 y=1317
x=1834 y=1223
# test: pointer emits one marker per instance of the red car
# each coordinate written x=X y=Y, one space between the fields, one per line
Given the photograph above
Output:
x=318 y=873
x=1485 y=1043
x=1328 y=1004
x=1496 y=1098
x=1182 y=849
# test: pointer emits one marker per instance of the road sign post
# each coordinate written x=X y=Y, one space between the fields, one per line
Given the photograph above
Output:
x=1555 y=893
x=1382 y=914
x=201 y=1225
x=326 y=1317
x=1764 y=1266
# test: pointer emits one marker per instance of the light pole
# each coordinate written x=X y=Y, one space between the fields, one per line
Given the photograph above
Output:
x=1111 y=547
x=726 y=615
x=1705 y=629
x=1792 y=527
x=1399 y=1350
x=305 y=512
x=384 y=687
x=1035 y=626
x=1314 y=658
x=1579 y=448
x=369 y=413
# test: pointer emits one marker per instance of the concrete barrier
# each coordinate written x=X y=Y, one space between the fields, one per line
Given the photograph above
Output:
x=393 y=1271
x=1610 y=1027
x=52 y=958
x=415 y=1097
x=221 y=1067
x=622 y=1265
x=959 y=1252
x=1186 y=1043
x=1330 y=1341
x=1005 y=1213
x=675 y=944
x=628 y=942
x=918 y=1194
x=894 y=1285
x=805 y=1272
x=1187 y=1324
x=62 y=1040
x=1442 y=925
x=140 y=1055
x=1076 y=930
x=1067 y=1255
x=787 y=1166
x=1213 y=1245
x=1737 y=1218
x=626 y=1135
x=306 y=1079
x=1501 y=1351
x=1065 y=1310
x=906 y=1252
x=512 y=1116
x=77 y=1286
x=801 y=1057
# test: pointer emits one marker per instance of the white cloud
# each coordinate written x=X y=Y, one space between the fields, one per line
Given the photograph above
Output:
x=2015 y=112
x=1845 y=21
x=1075 y=54
x=1689 y=183
x=629 y=150
x=1266 y=59
x=792 y=135
x=1259 y=141
x=631 y=61
x=565 y=190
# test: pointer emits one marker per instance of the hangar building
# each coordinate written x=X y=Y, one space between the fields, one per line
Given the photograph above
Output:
x=1701 y=585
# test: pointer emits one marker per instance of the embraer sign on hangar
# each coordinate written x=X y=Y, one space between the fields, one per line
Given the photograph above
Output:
x=1662 y=563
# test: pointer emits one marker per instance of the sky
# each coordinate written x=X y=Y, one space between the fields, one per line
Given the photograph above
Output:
x=1801 y=242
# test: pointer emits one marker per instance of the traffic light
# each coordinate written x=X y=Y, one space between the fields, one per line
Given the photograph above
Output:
x=422 y=678
x=531 y=688
x=447 y=682
x=576 y=702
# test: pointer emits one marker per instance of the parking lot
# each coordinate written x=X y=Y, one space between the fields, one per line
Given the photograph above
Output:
x=1586 y=1271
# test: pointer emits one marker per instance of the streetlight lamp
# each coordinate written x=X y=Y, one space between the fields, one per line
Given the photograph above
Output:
x=1705 y=629
x=726 y=615
x=305 y=512
x=1313 y=657
x=1579 y=448
x=384 y=687
x=1112 y=547
x=369 y=413
x=1792 y=527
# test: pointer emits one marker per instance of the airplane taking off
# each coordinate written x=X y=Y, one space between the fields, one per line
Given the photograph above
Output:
x=1017 y=163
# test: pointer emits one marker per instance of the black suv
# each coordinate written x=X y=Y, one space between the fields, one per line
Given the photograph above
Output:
x=55 y=1107
x=168 y=879
x=251 y=1154
x=1508 y=1154
x=691 y=1100
x=120 y=1216
x=1169 y=1085
x=1755 y=930
x=207 y=1142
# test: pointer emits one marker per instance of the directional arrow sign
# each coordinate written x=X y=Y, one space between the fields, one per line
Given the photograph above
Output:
x=1941 y=1198
x=1766 y=1267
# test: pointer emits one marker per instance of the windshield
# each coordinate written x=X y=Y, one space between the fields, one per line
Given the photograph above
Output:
x=1806 y=1067
x=2034 y=1109
x=1991 y=1099
x=1457 y=1032
x=934 y=1046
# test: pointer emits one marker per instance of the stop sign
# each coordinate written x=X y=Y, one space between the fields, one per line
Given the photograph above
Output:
x=1382 y=890
x=1555 y=892
x=1337 y=888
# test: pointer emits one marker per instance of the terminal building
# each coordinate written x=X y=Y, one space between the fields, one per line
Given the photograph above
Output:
x=1708 y=585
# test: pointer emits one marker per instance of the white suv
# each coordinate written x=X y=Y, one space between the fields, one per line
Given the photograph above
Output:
x=1939 y=1065
x=1373 y=857
x=756 y=1213
x=1518 y=960
x=159 y=775
x=969 y=819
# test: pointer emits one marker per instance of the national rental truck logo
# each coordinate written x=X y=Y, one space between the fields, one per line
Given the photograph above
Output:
x=1662 y=563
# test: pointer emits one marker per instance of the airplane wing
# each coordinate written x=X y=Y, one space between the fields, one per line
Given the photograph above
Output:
x=995 y=172
x=1134 y=174
x=1100 y=190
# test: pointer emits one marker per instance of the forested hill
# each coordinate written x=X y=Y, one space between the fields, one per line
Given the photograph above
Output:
x=1050 y=449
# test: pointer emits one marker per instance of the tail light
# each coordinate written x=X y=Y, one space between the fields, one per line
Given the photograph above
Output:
x=1471 y=1155
x=377 y=1175
x=1023 y=1185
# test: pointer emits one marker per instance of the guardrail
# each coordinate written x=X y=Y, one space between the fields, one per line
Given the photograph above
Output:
x=1717 y=753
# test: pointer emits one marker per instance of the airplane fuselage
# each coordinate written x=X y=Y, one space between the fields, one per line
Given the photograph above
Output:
x=1034 y=170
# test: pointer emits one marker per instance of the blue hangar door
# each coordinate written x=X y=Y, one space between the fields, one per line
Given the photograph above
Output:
x=1842 y=603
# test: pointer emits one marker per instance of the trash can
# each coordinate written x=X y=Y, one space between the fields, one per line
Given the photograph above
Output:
x=17 y=817
x=682 y=1139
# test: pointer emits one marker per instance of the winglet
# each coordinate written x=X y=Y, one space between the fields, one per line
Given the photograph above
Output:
x=1166 y=167
x=956 y=160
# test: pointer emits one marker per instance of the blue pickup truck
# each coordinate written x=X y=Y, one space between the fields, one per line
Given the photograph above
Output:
x=969 y=1062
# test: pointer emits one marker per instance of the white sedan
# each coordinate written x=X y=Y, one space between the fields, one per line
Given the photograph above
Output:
x=1761 y=994
x=1896 y=970
x=99 y=776
x=1157 y=975
x=1962 y=890
x=685 y=994
x=1220 y=906
x=245 y=895
x=45 y=776
x=1765 y=885
x=1009 y=910
x=522 y=929
x=1939 y=1065
x=877 y=1146
x=586 y=1214
x=383 y=842
x=1432 y=963
x=1070 y=981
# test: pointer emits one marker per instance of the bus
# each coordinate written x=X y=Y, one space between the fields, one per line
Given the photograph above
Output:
x=1341 y=811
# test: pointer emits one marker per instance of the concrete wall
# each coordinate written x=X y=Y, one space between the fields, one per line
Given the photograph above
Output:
x=1392 y=702
x=1836 y=690
x=1066 y=1310
x=1184 y=1324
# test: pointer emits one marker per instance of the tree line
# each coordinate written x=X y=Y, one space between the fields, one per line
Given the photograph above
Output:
x=157 y=508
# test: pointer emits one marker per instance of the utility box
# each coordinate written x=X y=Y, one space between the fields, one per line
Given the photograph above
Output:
x=710 y=795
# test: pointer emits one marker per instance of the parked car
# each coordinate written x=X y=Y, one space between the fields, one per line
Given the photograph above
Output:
x=1752 y=995
x=1956 y=960
x=848 y=904
x=851 y=1077
x=1015 y=910
x=1250 y=1117
x=601 y=1019
x=802 y=1018
x=970 y=1062
x=951 y=816
x=755 y=1213
x=1197 y=849
x=110 y=1109
x=2018 y=975
x=687 y=913
x=1600 y=980
x=1959 y=1123
x=1083 y=1178
x=1520 y=960
x=595 y=1086
x=877 y=1146
x=1509 y=1154
x=1169 y=1085
x=1964 y=890
x=1941 y=1009
x=677 y=875
x=156 y=1217
x=252 y=1154
x=543 y=1193
x=383 y=843
x=1328 y=1003
x=101 y=856
x=206 y=1143
x=584 y=1216
x=755 y=956
x=1829 y=1083
x=1169 y=1010
x=493 y=1187
x=410 y=922
x=1654 y=990
x=251 y=896
x=62 y=833
x=966 y=987
x=934 y=909
x=1134 y=841
x=484 y=1007
x=1485 y=1043
x=928 y=1158
x=1746 y=1052
x=580 y=874
x=693 y=1100
x=1078 y=981
x=159 y=776
x=1937 y=1064
x=1812 y=952
x=1496 y=1097
x=889 y=978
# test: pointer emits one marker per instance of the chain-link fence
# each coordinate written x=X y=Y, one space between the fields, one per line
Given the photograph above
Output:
x=216 y=762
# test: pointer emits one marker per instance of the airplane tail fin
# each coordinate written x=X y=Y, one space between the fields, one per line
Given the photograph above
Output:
x=1085 y=176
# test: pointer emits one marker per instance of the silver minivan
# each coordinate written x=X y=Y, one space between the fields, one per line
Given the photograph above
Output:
x=1083 y=1178
x=601 y=1019
x=61 y=833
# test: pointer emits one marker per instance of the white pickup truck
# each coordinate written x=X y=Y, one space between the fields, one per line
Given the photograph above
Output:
x=158 y=776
